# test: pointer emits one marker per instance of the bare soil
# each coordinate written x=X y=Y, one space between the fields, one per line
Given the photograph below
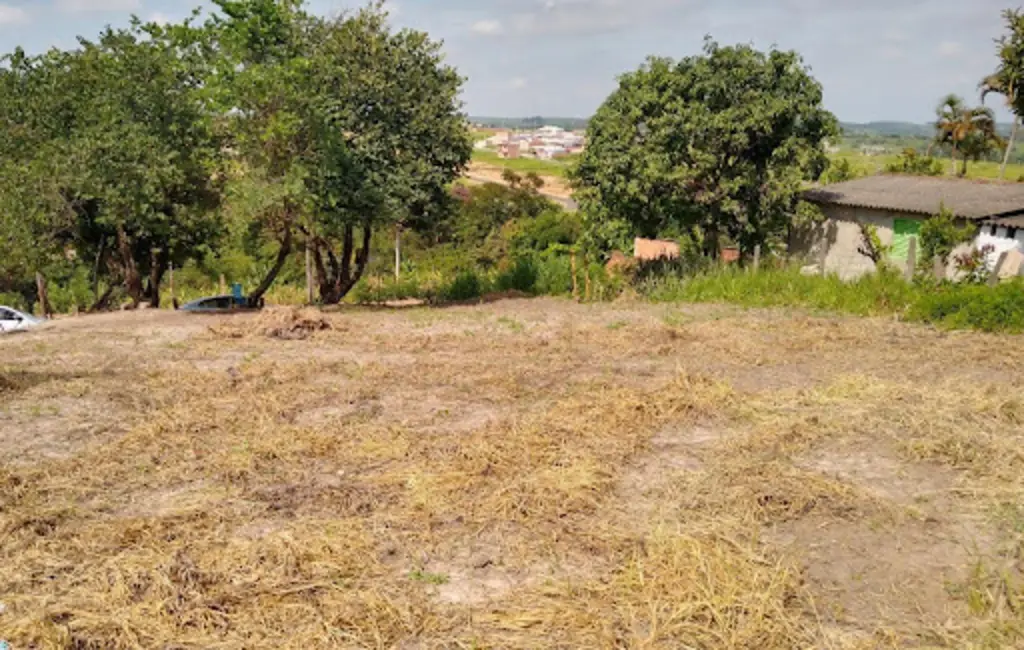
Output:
x=520 y=474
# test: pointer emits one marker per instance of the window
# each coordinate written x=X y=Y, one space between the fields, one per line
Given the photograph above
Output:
x=7 y=314
x=903 y=230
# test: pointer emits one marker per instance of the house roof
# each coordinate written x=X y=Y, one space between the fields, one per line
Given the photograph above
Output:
x=1008 y=222
x=971 y=199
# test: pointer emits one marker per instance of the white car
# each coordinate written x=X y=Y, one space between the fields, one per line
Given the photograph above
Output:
x=11 y=319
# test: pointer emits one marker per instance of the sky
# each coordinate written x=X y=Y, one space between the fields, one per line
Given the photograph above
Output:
x=876 y=59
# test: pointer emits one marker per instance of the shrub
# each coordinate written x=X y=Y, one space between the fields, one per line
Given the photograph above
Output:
x=554 y=274
x=940 y=235
x=467 y=285
x=520 y=276
x=992 y=309
x=11 y=299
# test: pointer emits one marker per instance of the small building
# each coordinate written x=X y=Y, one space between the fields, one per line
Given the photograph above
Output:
x=508 y=150
x=896 y=205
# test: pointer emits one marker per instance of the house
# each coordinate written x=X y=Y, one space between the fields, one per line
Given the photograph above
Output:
x=508 y=150
x=896 y=205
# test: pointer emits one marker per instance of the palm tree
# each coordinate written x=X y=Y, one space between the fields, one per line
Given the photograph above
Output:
x=1003 y=84
x=959 y=125
x=1008 y=79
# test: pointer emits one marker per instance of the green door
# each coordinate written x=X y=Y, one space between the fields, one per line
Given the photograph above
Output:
x=903 y=230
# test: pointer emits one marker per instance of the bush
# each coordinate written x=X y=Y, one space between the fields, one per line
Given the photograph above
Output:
x=520 y=276
x=992 y=309
x=467 y=285
x=11 y=299
x=554 y=274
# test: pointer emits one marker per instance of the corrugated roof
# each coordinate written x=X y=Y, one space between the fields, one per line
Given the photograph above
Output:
x=968 y=198
x=1008 y=222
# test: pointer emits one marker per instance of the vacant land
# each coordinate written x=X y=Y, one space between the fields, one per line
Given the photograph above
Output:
x=525 y=474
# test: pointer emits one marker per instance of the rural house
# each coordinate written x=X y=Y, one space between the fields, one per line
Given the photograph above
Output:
x=897 y=205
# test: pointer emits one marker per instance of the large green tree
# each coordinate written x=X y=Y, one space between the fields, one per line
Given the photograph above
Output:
x=352 y=126
x=720 y=142
x=119 y=165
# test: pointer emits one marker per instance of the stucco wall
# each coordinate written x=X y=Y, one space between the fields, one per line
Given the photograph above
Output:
x=840 y=236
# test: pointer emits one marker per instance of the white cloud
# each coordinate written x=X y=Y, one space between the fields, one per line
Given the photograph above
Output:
x=13 y=15
x=950 y=48
x=518 y=83
x=84 y=6
x=486 y=27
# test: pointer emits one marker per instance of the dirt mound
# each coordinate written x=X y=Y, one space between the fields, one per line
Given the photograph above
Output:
x=286 y=323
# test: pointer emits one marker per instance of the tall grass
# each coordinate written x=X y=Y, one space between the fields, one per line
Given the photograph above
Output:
x=955 y=306
x=871 y=295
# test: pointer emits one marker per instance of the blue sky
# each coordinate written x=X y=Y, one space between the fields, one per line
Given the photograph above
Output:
x=877 y=59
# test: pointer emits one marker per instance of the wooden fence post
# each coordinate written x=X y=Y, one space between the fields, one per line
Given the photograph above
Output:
x=757 y=257
x=993 y=278
x=911 y=259
x=822 y=256
x=223 y=285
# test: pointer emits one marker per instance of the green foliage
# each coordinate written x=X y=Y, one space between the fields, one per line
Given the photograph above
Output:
x=969 y=131
x=521 y=275
x=467 y=285
x=872 y=294
x=839 y=170
x=871 y=245
x=973 y=306
x=723 y=142
x=11 y=299
x=911 y=162
x=940 y=235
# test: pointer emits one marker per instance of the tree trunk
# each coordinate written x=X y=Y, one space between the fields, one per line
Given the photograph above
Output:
x=102 y=301
x=44 y=296
x=339 y=280
x=157 y=268
x=952 y=171
x=132 y=278
x=1009 y=147
x=256 y=297
x=96 y=269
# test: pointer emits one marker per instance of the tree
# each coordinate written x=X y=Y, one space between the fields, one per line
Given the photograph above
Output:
x=1008 y=78
x=722 y=142
x=123 y=155
x=970 y=132
x=355 y=126
x=911 y=162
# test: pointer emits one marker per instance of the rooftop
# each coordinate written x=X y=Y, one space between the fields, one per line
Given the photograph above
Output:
x=967 y=198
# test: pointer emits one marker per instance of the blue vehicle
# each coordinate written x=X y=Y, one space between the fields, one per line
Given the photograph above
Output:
x=221 y=304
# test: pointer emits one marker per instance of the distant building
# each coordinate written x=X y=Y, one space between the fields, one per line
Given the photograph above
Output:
x=508 y=150
x=896 y=205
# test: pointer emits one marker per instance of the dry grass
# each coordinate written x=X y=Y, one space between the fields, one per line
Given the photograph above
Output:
x=427 y=478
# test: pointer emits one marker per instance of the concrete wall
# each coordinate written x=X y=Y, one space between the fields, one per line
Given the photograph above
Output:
x=840 y=237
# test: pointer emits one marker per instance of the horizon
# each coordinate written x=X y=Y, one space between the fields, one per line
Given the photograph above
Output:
x=877 y=63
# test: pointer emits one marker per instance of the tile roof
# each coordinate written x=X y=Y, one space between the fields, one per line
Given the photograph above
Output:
x=967 y=198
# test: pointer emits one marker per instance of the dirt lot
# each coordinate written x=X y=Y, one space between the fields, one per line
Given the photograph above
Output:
x=524 y=474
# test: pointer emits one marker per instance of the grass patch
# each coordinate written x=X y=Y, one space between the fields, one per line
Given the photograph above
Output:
x=952 y=306
x=556 y=168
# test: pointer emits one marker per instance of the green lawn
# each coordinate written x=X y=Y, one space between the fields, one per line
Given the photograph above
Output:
x=866 y=165
x=524 y=165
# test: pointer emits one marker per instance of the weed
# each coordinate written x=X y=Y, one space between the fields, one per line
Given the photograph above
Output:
x=617 y=325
